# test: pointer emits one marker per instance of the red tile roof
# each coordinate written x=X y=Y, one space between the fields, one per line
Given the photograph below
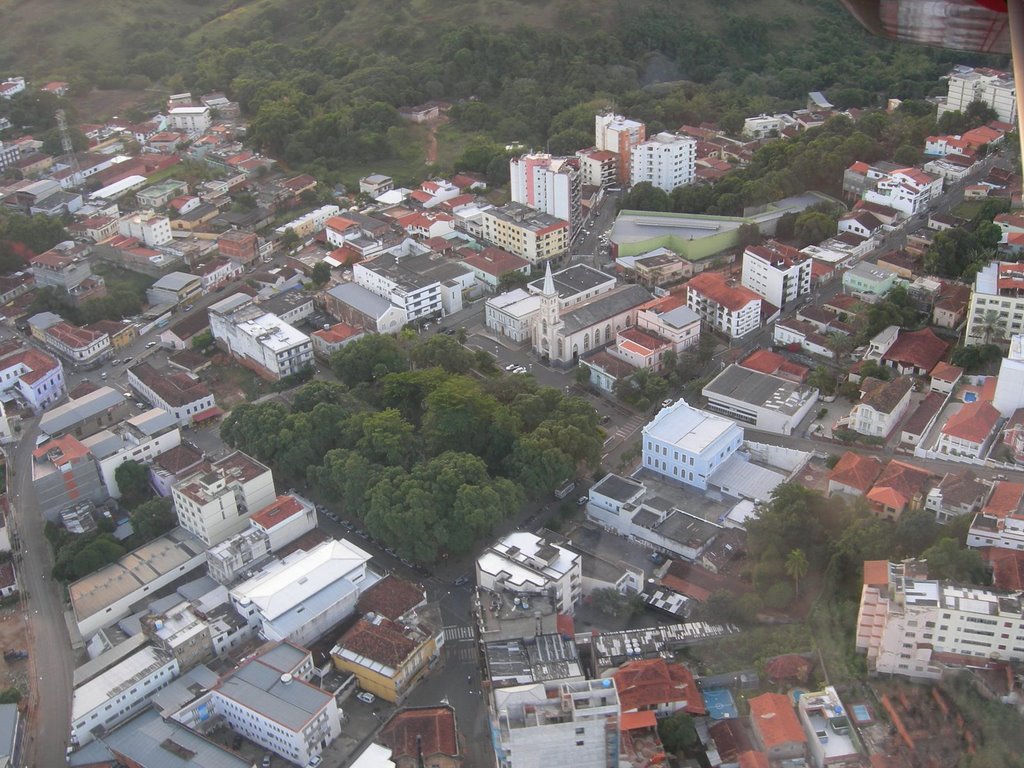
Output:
x=766 y=361
x=876 y=573
x=67 y=447
x=754 y=759
x=920 y=349
x=73 y=336
x=715 y=286
x=1007 y=568
x=649 y=683
x=856 y=471
x=772 y=715
x=382 y=642
x=730 y=737
x=391 y=597
x=495 y=261
x=789 y=667
x=337 y=332
x=178 y=459
x=945 y=372
x=1005 y=499
x=974 y=422
x=898 y=484
x=430 y=729
x=276 y=512
x=37 y=363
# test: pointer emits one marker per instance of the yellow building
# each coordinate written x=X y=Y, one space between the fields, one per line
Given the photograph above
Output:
x=392 y=646
x=529 y=234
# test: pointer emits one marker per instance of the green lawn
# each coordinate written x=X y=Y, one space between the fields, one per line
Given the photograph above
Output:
x=118 y=277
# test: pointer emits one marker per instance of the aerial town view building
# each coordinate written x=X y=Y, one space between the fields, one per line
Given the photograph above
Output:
x=503 y=385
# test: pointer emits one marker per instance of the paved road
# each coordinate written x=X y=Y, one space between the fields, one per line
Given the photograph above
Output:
x=51 y=661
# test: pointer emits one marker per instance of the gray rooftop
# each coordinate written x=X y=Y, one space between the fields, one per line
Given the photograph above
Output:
x=187 y=688
x=417 y=270
x=284 y=657
x=8 y=730
x=282 y=303
x=680 y=317
x=260 y=688
x=175 y=281
x=572 y=280
x=361 y=299
x=761 y=390
x=152 y=742
x=61 y=418
x=525 y=217
x=617 y=487
x=603 y=307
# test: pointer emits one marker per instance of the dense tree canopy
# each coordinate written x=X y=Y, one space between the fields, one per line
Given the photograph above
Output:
x=429 y=457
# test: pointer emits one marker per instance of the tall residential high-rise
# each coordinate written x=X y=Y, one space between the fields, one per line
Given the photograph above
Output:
x=667 y=161
x=548 y=184
x=989 y=86
x=615 y=133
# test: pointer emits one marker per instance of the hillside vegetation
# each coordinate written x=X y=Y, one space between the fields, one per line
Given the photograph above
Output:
x=321 y=79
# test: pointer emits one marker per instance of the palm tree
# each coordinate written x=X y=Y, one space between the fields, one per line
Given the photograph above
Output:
x=796 y=567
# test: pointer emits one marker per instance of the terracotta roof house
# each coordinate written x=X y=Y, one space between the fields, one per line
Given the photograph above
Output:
x=882 y=405
x=900 y=487
x=391 y=597
x=945 y=377
x=754 y=759
x=957 y=494
x=766 y=361
x=1006 y=499
x=790 y=668
x=969 y=431
x=730 y=737
x=429 y=733
x=915 y=352
x=854 y=474
x=654 y=684
x=777 y=730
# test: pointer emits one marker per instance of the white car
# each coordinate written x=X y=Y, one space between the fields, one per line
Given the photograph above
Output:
x=151 y=344
x=366 y=697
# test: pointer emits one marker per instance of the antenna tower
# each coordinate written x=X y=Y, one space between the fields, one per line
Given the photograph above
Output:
x=69 y=150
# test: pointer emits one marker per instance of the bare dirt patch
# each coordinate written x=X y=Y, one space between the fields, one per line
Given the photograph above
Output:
x=13 y=635
x=101 y=105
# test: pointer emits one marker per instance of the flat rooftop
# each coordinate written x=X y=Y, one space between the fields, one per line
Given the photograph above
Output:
x=761 y=390
x=115 y=680
x=100 y=590
x=690 y=428
x=290 y=702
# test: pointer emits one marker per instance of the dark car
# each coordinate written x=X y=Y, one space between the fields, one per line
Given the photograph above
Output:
x=462 y=581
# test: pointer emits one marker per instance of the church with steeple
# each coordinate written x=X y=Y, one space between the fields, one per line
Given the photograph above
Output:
x=581 y=309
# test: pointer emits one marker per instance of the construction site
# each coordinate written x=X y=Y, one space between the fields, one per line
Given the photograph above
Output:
x=918 y=727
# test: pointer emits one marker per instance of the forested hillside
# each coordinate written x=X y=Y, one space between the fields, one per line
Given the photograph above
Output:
x=321 y=79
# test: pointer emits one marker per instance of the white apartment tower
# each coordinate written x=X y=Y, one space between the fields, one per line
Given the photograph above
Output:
x=913 y=626
x=667 y=161
x=548 y=184
x=990 y=86
x=216 y=501
x=777 y=273
x=615 y=133
x=997 y=304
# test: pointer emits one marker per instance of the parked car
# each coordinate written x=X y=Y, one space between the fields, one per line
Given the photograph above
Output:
x=462 y=581
x=265 y=762
x=188 y=307
x=366 y=697
x=519 y=369
x=314 y=761
x=511 y=367
x=582 y=500
x=151 y=344
x=667 y=402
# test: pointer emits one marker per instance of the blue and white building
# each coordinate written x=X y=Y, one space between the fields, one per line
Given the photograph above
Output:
x=687 y=445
